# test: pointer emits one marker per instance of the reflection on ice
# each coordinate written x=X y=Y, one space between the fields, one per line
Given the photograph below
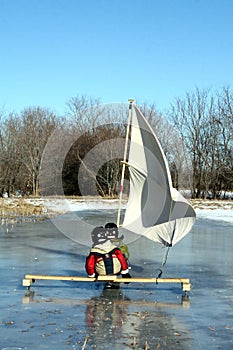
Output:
x=112 y=318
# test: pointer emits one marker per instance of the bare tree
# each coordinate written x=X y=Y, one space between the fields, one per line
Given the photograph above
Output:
x=10 y=154
x=93 y=152
x=224 y=123
x=37 y=125
x=204 y=122
x=191 y=117
x=83 y=112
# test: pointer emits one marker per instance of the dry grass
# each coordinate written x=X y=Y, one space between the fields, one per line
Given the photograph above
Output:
x=18 y=207
x=211 y=204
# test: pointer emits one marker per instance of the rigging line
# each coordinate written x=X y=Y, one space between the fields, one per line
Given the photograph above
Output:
x=167 y=249
x=124 y=161
x=165 y=256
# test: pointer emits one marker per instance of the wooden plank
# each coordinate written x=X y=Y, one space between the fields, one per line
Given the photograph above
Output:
x=60 y=278
x=107 y=278
x=29 y=279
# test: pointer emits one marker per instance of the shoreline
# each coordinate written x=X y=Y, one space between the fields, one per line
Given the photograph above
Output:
x=40 y=208
x=46 y=207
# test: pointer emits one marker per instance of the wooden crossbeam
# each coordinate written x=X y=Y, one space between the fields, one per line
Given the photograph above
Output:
x=29 y=279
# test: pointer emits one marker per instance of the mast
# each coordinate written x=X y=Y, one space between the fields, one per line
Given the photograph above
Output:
x=124 y=160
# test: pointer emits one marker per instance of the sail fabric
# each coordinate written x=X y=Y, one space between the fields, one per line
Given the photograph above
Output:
x=155 y=209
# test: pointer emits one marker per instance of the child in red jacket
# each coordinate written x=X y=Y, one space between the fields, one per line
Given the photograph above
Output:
x=105 y=258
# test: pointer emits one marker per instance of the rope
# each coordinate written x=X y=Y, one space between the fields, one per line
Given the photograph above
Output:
x=165 y=256
x=160 y=271
x=167 y=249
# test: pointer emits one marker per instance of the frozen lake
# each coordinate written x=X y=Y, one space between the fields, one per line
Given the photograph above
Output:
x=69 y=315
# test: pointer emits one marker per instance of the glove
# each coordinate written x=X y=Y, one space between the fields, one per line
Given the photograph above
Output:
x=126 y=275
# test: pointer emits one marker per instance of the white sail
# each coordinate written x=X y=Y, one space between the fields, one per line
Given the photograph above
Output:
x=155 y=209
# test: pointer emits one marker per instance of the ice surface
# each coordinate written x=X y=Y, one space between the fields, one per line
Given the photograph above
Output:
x=63 y=315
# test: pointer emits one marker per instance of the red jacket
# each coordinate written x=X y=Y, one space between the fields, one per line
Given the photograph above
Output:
x=97 y=261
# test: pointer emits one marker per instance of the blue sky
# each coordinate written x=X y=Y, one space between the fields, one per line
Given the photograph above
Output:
x=150 y=50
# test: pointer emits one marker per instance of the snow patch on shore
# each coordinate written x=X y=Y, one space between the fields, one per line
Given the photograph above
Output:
x=225 y=215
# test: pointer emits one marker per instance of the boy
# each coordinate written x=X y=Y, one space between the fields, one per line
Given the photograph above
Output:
x=105 y=258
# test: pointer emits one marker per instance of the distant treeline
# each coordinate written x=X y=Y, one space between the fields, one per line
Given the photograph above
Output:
x=80 y=153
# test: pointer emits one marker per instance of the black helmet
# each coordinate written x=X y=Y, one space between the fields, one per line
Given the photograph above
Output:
x=110 y=225
x=99 y=235
x=112 y=230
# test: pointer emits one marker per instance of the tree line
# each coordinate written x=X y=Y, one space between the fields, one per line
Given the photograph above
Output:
x=80 y=153
x=204 y=121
